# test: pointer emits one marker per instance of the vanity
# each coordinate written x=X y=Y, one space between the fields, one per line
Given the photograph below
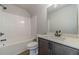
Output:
x=47 y=45
x=64 y=19
x=61 y=19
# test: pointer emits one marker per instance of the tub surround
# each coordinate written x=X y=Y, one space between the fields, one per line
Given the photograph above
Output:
x=14 y=48
x=17 y=28
x=68 y=40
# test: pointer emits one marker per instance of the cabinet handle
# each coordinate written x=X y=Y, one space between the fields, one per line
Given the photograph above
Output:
x=49 y=46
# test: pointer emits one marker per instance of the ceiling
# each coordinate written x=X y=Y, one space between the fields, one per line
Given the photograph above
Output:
x=53 y=8
x=32 y=8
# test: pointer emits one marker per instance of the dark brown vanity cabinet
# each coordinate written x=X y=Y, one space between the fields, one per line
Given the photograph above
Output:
x=46 y=47
x=42 y=46
x=60 y=49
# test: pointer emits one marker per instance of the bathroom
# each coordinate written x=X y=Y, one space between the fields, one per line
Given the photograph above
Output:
x=47 y=29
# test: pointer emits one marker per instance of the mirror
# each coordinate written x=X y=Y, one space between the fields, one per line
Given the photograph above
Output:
x=63 y=17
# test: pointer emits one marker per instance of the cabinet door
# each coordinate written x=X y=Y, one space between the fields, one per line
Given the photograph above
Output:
x=42 y=46
x=70 y=51
x=59 y=49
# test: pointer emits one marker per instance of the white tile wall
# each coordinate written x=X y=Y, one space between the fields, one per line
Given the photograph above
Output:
x=13 y=27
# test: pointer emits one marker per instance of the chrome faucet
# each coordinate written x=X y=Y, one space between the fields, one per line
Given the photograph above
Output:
x=1 y=34
x=58 y=33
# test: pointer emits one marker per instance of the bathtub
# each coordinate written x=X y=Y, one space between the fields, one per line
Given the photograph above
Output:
x=14 y=48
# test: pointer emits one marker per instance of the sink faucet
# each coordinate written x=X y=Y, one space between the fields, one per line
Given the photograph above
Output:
x=58 y=33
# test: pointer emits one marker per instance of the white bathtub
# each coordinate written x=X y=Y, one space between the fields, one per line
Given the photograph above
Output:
x=14 y=48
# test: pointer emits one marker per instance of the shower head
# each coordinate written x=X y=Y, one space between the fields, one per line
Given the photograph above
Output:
x=3 y=6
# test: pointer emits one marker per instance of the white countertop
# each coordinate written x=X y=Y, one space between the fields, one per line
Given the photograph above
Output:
x=72 y=41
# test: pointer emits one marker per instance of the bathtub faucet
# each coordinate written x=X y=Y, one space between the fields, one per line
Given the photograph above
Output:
x=3 y=40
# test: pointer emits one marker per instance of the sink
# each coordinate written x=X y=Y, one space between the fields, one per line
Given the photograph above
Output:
x=54 y=37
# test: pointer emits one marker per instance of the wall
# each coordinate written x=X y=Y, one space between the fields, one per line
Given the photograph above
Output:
x=42 y=20
x=64 y=19
x=78 y=19
x=34 y=26
x=15 y=24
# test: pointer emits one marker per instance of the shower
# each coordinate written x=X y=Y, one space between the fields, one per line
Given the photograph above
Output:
x=3 y=6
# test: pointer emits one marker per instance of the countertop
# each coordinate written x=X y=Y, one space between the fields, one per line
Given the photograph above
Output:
x=72 y=41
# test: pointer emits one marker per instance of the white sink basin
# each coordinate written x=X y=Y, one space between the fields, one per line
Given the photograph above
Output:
x=54 y=37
